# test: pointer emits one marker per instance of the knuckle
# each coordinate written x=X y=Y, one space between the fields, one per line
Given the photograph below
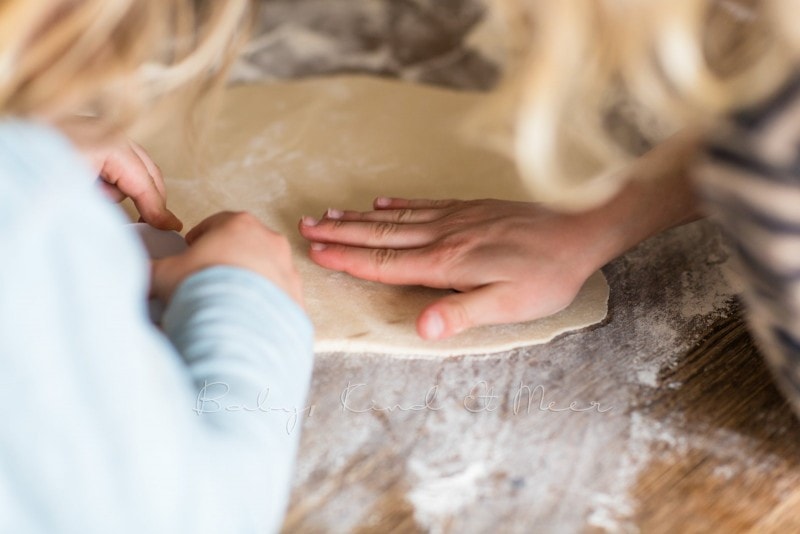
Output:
x=247 y=223
x=236 y=216
x=247 y=219
x=450 y=248
x=382 y=257
x=439 y=203
x=456 y=222
x=381 y=230
x=403 y=215
x=450 y=256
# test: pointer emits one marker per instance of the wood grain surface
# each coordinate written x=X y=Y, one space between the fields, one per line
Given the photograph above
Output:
x=687 y=434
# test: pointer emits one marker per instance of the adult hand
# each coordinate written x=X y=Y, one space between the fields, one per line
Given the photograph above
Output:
x=234 y=239
x=126 y=170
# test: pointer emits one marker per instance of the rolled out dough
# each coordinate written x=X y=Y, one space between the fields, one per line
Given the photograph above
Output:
x=291 y=149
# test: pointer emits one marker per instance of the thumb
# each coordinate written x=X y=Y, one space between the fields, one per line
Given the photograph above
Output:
x=455 y=313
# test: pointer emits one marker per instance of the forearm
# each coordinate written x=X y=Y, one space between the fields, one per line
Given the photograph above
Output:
x=247 y=345
x=658 y=197
x=248 y=349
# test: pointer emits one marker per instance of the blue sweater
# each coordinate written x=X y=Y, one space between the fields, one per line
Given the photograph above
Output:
x=108 y=424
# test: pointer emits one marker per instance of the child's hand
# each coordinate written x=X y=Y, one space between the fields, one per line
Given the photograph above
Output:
x=511 y=261
x=235 y=239
x=126 y=170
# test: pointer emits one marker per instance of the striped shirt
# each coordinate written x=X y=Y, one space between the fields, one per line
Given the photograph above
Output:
x=750 y=180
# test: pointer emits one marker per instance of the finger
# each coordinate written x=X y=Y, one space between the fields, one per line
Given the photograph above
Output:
x=128 y=173
x=152 y=207
x=385 y=265
x=384 y=203
x=458 y=312
x=366 y=234
x=400 y=216
x=495 y=303
x=152 y=168
x=158 y=180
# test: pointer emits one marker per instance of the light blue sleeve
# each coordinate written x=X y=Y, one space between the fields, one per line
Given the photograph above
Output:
x=109 y=425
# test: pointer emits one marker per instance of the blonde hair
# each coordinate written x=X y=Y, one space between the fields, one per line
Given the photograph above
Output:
x=579 y=69
x=111 y=59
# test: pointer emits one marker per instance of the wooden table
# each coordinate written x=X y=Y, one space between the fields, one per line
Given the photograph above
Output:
x=662 y=419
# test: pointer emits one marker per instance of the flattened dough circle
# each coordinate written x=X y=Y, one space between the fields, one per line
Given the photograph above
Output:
x=291 y=149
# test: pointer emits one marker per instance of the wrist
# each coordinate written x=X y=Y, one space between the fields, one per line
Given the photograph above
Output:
x=644 y=208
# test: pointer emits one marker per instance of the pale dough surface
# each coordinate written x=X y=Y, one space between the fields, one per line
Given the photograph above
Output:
x=292 y=149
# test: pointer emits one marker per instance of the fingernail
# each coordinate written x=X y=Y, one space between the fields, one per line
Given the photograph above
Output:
x=334 y=213
x=309 y=221
x=435 y=327
x=383 y=202
x=176 y=223
x=318 y=246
